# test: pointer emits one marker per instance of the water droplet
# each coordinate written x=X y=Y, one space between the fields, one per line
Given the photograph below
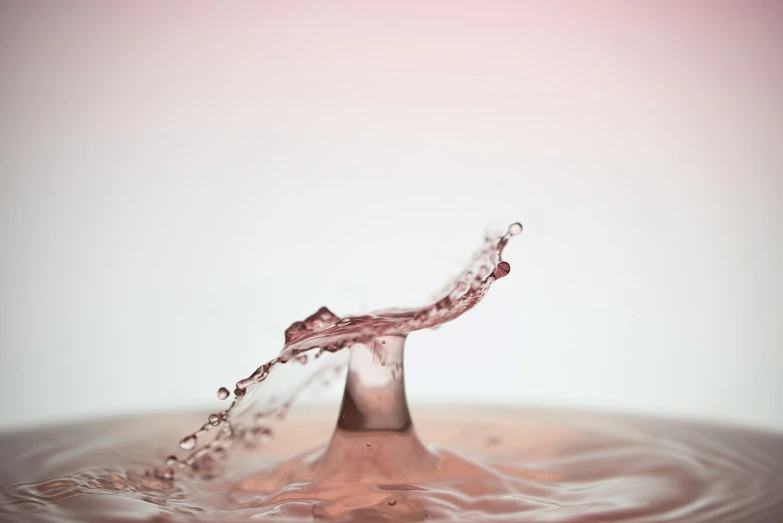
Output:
x=302 y=359
x=171 y=460
x=245 y=383
x=222 y=393
x=392 y=502
x=502 y=269
x=214 y=420
x=383 y=364
x=383 y=342
x=369 y=444
x=514 y=229
x=188 y=443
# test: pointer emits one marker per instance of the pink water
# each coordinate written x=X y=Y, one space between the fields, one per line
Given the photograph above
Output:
x=367 y=463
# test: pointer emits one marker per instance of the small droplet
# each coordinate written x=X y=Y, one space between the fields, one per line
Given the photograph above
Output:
x=214 y=420
x=222 y=393
x=502 y=269
x=302 y=359
x=171 y=460
x=245 y=383
x=383 y=342
x=369 y=444
x=392 y=502
x=514 y=229
x=383 y=364
x=188 y=443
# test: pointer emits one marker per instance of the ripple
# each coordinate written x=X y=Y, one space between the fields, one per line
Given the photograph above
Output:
x=500 y=466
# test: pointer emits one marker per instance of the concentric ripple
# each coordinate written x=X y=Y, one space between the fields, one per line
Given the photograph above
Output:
x=492 y=465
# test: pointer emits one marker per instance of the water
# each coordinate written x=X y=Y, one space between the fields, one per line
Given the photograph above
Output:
x=251 y=461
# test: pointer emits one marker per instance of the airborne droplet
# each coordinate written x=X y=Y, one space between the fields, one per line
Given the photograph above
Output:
x=188 y=443
x=502 y=269
x=222 y=393
x=514 y=229
x=214 y=420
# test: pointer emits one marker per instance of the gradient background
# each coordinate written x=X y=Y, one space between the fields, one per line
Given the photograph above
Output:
x=179 y=182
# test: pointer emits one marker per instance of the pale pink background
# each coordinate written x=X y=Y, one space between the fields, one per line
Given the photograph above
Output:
x=179 y=182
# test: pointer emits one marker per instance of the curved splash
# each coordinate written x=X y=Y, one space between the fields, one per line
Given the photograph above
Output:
x=260 y=401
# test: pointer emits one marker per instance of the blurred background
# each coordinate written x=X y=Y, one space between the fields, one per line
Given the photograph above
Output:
x=181 y=181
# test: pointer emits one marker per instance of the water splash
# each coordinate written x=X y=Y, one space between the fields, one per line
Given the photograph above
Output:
x=263 y=398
